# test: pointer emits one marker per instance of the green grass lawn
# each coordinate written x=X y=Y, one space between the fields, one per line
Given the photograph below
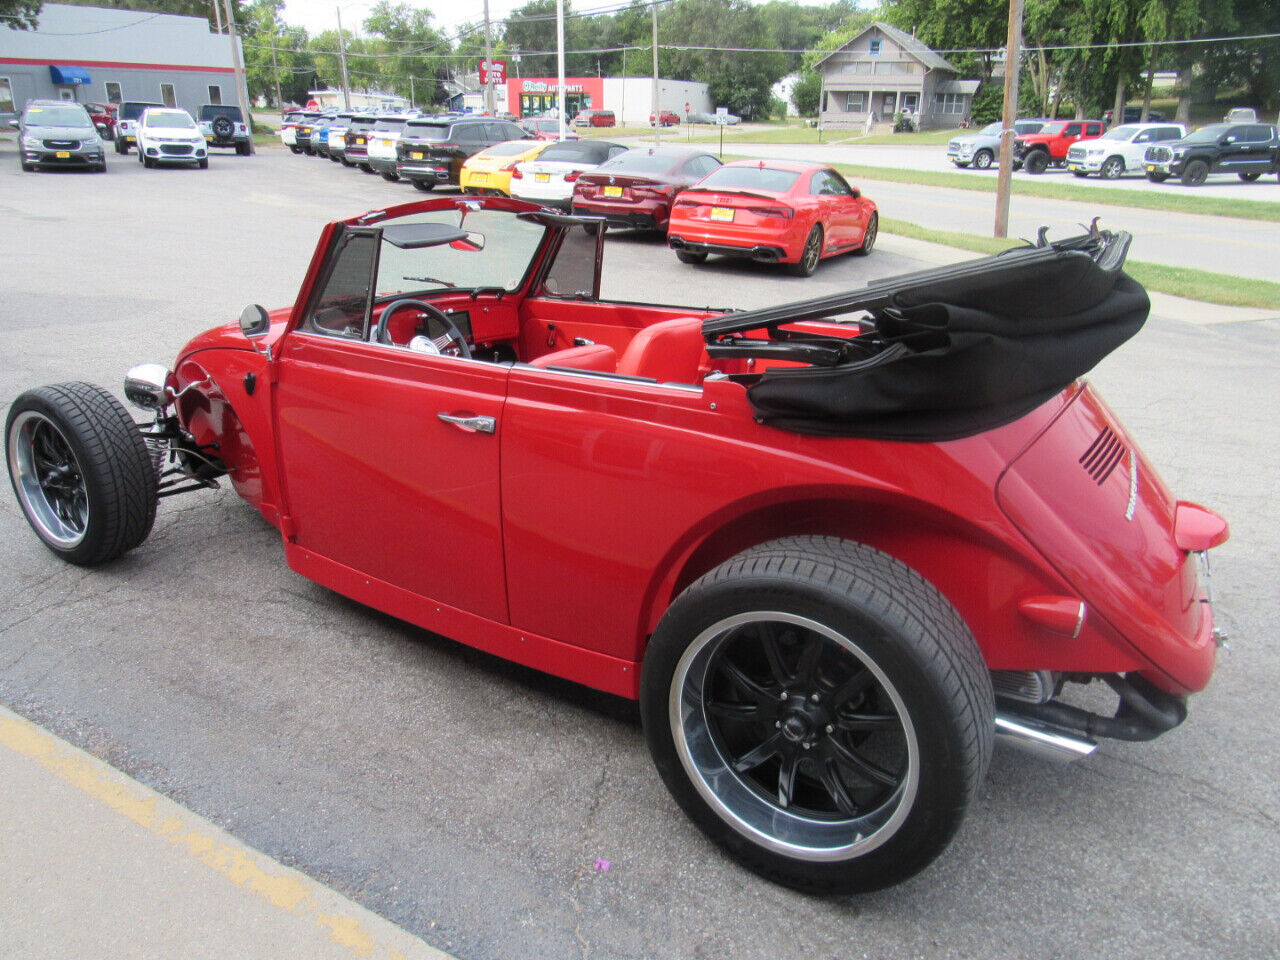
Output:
x=1186 y=282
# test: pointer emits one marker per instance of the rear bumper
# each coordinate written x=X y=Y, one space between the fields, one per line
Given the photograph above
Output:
x=382 y=164
x=425 y=170
x=646 y=217
x=763 y=253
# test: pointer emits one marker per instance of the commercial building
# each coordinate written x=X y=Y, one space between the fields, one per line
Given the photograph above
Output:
x=94 y=54
x=630 y=98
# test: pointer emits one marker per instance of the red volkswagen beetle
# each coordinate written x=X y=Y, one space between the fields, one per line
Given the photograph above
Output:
x=833 y=561
x=774 y=211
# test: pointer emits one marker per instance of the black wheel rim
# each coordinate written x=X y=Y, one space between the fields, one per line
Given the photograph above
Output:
x=48 y=479
x=794 y=736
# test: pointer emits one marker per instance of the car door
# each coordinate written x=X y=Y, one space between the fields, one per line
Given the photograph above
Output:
x=376 y=478
x=1070 y=134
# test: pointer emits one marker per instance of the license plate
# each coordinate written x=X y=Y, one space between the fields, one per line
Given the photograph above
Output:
x=1150 y=169
x=722 y=213
x=208 y=137
x=63 y=155
x=132 y=139
x=359 y=139
x=542 y=177
x=480 y=177
x=419 y=156
x=613 y=191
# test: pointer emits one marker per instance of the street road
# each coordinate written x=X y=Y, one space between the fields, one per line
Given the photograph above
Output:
x=467 y=799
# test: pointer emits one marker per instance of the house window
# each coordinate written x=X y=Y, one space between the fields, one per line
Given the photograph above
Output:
x=855 y=102
x=874 y=49
x=825 y=97
x=6 y=96
x=166 y=95
x=64 y=94
x=215 y=94
x=910 y=102
x=113 y=92
x=948 y=103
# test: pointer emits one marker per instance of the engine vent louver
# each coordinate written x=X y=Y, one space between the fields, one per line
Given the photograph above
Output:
x=1106 y=451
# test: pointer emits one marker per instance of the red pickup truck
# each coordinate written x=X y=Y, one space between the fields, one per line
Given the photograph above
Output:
x=1037 y=151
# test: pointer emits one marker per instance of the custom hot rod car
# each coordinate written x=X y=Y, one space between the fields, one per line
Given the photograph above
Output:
x=835 y=548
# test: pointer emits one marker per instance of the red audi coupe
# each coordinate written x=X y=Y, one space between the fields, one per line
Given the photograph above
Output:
x=834 y=561
x=773 y=211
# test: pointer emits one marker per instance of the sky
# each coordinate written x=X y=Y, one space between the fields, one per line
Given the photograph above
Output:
x=320 y=15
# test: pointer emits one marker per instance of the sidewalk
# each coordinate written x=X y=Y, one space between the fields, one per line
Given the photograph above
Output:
x=96 y=865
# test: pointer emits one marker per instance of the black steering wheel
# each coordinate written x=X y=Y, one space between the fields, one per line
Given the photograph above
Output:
x=451 y=331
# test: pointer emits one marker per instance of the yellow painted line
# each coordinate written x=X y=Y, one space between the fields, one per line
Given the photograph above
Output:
x=284 y=889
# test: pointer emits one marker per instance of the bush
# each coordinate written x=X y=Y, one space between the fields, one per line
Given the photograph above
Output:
x=902 y=123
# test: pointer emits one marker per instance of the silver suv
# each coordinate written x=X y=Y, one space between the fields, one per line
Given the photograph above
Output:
x=58 y=133
x=982 y=147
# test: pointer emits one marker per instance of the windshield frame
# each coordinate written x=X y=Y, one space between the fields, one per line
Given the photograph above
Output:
x=59 y=112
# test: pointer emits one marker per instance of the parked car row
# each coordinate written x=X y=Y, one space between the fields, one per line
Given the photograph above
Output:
x=1157 y=149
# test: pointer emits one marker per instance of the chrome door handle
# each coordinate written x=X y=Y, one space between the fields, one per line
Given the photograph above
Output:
x=470 y=424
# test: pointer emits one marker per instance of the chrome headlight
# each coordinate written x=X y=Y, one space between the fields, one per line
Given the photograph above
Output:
x=147 y=386
x=31 y=143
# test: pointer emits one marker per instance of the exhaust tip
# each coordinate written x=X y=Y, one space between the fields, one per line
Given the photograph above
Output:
x=1042 y=740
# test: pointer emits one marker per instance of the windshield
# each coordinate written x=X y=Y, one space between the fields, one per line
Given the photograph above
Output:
x=132 y=111
x=991 y=129
x=1207 y=134
x=547 y=126
x=500 y=250
x=578 y=151
x=168 y=118
x=73 y=117
x=1053 y=129
x=1127 y=132
x=212 y=112
x=360 y=123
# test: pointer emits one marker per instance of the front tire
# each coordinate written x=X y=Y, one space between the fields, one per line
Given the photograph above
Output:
x=1195 y=173
x=869 y=236
x=1037 y=162
x=1157 y=177
x=819 y=711
x=1111 y=168
x=982 y=159
x=81 y=471
x=203 y=163
x=1249 y=177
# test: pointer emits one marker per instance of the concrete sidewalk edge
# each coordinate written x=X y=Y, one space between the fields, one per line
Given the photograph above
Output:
x=191 y=839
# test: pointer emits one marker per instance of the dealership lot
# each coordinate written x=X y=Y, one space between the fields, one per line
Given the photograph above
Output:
x=467 y=799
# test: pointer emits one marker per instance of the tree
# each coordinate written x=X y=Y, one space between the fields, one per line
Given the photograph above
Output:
x=411 y=50
x=20 y=14
x=805 y=93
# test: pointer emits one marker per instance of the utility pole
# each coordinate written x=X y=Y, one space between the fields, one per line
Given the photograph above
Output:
x=411 y=96
x=1012 y=59
x=342 y=55
x=622 y=109
x=657 y=119
x=488 y=64
x=217 y=15
x=242 y=88
x=560 y=61
x=275 y=67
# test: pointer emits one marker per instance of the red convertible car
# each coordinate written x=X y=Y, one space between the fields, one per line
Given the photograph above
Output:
x=834 y=561
x=774 y=211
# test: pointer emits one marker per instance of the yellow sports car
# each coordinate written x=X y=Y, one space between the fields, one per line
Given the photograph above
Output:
x=489 y=171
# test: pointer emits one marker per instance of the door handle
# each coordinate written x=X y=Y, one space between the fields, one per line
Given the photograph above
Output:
x=470 y=424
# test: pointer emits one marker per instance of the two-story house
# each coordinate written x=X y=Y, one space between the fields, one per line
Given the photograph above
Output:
x=885 y=71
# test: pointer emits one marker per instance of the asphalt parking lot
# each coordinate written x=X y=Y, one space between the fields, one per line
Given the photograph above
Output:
x=468 y=800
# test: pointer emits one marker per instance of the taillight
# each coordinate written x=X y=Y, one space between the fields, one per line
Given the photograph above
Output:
x=515 y=172
x=572 y=175
x=784 y=212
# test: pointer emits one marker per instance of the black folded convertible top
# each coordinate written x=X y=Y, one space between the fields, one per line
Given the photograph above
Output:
x=947 y=352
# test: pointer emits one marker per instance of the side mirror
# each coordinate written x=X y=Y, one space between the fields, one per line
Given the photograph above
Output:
x=254 y=320
x=14 y=124
x=856 y=192
x=102 y=129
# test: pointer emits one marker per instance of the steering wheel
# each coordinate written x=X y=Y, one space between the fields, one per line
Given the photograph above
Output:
x=451 y=332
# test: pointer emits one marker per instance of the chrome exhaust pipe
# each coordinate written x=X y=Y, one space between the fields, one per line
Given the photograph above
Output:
x=1042 y=740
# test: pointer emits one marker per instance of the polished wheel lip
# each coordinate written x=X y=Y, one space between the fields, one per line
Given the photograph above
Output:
x=26 y=474
x=766 y=824
x=812 y=251
x=872 y=231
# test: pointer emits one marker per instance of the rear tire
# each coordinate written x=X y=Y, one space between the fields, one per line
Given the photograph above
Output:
x=1156 y=177
x=691 y=256
x=242 y=149
x=391 y=177
x=424 y=185
x=1249 y=177
x=810 y=254
x=1080 y=173
x=821 y=712
x=81 y=471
